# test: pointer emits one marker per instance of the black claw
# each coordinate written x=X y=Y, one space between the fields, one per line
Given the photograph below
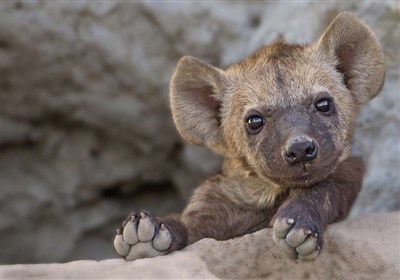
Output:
x=153 y=219
x=134 y=219
x=119 y=230
x=133 y=214
x=146 y=213
x=131 y=217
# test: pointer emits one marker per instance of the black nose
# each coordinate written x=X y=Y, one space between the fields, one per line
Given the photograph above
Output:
x=300 y=149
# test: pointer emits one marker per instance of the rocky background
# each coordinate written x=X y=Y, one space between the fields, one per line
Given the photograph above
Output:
x=86 y=131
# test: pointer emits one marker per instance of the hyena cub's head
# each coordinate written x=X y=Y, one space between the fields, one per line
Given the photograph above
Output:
x=287 y=111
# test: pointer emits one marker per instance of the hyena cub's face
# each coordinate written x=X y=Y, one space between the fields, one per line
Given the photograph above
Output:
x=286 y=112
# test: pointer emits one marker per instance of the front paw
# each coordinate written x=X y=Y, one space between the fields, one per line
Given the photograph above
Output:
x=298 y=237
x=141 y=236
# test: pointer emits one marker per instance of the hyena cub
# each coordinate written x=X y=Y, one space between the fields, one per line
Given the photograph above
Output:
x=283 y=118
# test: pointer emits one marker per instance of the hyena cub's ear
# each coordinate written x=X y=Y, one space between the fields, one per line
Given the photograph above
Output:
x=195 y=93
x=358 y=53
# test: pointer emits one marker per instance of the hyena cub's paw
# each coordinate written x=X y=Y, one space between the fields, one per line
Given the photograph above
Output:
x=297 y=239
x=142 y=237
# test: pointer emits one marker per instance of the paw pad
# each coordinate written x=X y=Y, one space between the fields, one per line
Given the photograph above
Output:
x=142 y=237
x=296 y=239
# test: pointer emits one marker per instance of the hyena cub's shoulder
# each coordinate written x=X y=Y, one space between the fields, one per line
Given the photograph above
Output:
x=283 y=118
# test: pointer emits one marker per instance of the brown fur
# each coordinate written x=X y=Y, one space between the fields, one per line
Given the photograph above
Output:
x=282 y=83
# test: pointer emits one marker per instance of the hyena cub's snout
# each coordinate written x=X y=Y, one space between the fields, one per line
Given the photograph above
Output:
x=300 y=149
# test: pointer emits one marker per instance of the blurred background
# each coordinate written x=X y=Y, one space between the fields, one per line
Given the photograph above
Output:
x=86 y=130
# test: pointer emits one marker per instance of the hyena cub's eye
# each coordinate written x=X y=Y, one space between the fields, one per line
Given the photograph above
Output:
x=325 y=106
x=254 y=124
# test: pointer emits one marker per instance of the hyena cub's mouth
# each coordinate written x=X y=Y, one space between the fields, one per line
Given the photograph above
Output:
x=311 y=175
x=305 y=175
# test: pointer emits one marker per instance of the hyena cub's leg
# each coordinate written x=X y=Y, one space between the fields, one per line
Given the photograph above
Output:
x=299 y=223
x=144 y=236
x=210 y=213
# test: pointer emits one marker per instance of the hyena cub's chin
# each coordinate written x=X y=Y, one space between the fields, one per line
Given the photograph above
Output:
x=284 y=119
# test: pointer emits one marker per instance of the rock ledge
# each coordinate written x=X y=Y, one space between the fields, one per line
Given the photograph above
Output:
x=362 y=248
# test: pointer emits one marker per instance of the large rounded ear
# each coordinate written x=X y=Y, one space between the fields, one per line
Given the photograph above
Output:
x=196 y=91
x=358 y=55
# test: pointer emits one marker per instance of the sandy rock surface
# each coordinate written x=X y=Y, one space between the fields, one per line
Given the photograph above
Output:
x=86 y=131
x=362 y=248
